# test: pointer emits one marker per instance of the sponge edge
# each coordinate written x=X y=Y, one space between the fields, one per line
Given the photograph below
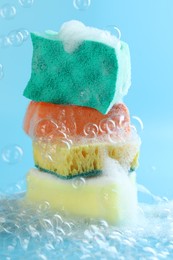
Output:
x=111 y=196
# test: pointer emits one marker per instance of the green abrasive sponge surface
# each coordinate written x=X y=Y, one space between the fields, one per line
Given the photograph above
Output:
x=86 y=77
x=84 y=174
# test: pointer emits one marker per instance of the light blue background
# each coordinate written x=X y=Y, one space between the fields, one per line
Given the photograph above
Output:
x=147 y=26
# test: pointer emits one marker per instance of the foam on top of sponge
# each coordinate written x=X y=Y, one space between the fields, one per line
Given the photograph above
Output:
x=81 y=66
x=73 y=33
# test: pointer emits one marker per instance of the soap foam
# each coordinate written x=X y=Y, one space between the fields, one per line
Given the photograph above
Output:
x=73 y=33
x=40 y=234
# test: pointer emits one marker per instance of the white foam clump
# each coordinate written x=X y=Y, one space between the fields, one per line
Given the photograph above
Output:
x=73 y=33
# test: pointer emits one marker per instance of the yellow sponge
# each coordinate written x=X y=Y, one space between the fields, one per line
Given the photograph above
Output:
x=84 y=159
x=110 y=196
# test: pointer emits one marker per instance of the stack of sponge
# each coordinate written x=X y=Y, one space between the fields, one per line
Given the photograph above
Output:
x=77 y=122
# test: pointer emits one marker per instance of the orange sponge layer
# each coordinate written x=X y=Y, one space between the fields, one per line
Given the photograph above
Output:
x=44 y=119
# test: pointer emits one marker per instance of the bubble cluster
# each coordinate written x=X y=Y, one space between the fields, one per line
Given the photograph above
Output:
x=38 y=233
x=14 y=38
x=81 y=4
x=91 y=130
x=107 y=125
x=45 y=128
x=12 y=154
x=1 y=71
x=48 y=129
x=7 y=11
x=26 y=3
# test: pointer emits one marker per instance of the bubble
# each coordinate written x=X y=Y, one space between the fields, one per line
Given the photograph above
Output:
x=1 y=72
x=67 y=228
x=91 y=130
x=20 y=186
x=149 y=250
x=8 y=11
x=4 y=41
x=81 y=4
x=26 y=3
x=78 y=182
x=88 y=234
x=119 y=119
x=45 y=128
x=107 y=125
x=42 y=257
x=103 y=224
x=117 y=137
x=25 y=33
x=33 y=231
x=12 y=154
x=57 y=220
x=15 y=38
x=71 y=129
x=137 y=124
x=61 y=126
x=64 y=142
x=114 y=31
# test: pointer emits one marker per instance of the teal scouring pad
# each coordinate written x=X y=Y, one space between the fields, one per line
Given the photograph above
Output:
x=96 y=73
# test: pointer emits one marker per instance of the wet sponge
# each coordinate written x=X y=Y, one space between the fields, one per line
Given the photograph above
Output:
x=46 y=120
x=83 y=159
x=111 y=197
x=94 y=75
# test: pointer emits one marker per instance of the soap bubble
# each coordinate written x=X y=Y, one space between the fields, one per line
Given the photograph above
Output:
x=20 y=186
x=107 y=125
x=119 y=120
x=137 y=124
x=25 y=33
x=81 y=4
x=15 y=38
x=71 y=129
x=8 y=11
x=91 y=130
x=117 y=137
x=114 y=31
x=45 y=128
x=4 y=41
x=61 y=126
x=1 y=72
x=103 y=224
x=44 y=206
x=12 y=154
x=78 y=182
x=64 y=143
x=26 y=3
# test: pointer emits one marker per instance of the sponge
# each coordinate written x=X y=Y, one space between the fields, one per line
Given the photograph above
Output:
x=111 y=196
x=94 y=74
x=84 y=158
x=46 y=120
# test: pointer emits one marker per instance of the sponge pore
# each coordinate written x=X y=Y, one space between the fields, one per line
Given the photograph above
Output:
x=85 y=77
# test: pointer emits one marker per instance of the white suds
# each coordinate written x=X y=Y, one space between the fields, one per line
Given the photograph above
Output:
x=73 y=33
